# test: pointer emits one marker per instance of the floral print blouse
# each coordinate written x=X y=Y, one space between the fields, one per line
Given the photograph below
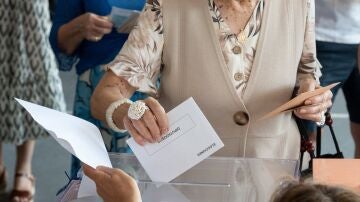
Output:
x=140 y=59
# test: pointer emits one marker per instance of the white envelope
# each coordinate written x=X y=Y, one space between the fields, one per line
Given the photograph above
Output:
x=190 y=140
x=81 y=138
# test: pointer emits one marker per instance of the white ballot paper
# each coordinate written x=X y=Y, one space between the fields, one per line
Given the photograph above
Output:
x=124 y=19
x=81 y=138
x=190 y=140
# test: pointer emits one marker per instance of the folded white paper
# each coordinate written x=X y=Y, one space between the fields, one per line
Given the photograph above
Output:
x=124 y=19
x=81 y=138
x=190 y=140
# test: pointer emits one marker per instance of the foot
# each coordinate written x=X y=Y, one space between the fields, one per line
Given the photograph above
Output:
x=24 y=188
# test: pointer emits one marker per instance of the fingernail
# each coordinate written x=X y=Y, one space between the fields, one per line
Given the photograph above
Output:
x=164 y=131
x=142 y=142
x=308 y=102
x=158 y=137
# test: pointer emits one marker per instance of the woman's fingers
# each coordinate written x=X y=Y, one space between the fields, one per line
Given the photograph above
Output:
x=95 y=26
x=316 y=117
x=102 y=22
x=142 y=129
x=134 y=133
x=97 y=175
x=315 y=107
x=318 y=99
x=101 y=30
x=89 y=171
x=159 y=113
x=151 y=124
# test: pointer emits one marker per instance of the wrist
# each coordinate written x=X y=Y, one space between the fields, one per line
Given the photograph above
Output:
x=115 y=114
x=306 y=84
x=119 y=115
x=77 y=27
x=69 y=37
x=307 y=80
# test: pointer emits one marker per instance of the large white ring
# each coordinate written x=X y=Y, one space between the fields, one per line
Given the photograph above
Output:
x=322 y=120
x=137 y=110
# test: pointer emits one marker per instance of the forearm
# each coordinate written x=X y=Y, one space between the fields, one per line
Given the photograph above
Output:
x=70 y=36
x=309 y=67
x=110 y=89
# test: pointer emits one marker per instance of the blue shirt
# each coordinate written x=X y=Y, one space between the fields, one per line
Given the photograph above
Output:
x=89 y=54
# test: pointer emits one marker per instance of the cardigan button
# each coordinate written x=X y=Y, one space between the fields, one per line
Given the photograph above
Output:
x=236 y=50
x=241 y=118
x=238 y=76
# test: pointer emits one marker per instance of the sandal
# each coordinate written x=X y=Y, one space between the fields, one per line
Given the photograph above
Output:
x=27 y=196
x=3 y=182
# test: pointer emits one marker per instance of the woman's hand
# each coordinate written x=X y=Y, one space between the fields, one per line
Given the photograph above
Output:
x=152 y=125
x=93 y=27
x=149 y=128
x=87 y=26
x=315 y=106
x=113 y=185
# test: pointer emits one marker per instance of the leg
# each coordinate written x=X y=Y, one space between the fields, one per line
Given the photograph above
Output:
x=352 y=94
x=24 y=154
x=24 y=182
x=355 y=130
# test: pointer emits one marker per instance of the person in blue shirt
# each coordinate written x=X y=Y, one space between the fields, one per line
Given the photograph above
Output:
x=83 y=36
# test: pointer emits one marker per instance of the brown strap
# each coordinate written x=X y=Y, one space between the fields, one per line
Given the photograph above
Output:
x=26 y=175
x=21 y=194
x=28 y=195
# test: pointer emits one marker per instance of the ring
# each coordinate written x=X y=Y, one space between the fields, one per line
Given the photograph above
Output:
x=322 y=119
x=97 y=38
x=137 y=110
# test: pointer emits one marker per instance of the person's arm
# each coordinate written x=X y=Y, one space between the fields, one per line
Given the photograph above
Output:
x=87 y=26
x=71 y=25
x=137 y=67
x=113 y=185
x=309 y=73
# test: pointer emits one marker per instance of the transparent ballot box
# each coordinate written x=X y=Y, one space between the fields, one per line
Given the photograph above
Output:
x=215 y=179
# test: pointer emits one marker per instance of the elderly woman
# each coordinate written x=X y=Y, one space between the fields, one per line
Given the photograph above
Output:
x=238 y=59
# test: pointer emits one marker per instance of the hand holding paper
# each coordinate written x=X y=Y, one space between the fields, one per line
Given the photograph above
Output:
x=190 y=140
x=298 y=101
x=79 y=137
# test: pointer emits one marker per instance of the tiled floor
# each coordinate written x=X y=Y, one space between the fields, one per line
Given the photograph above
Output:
x=51 y=161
